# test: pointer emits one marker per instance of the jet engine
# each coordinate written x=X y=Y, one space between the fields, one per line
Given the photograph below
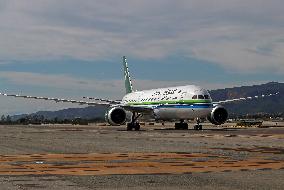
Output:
x=218 y=116
x=116 y=116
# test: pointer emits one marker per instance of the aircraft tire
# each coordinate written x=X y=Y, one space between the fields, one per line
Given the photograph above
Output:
x=177 y=126
x=137 y=127
x=185 y=126
x=181 y=126
x=197 y=127
x=129 y=127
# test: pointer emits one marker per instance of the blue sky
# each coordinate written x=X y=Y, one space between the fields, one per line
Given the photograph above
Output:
x=72 y=48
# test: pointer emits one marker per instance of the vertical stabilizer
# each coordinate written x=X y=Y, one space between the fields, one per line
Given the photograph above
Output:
x=127 y=79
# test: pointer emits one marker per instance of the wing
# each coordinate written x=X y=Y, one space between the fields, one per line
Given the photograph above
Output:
x=242 y=99
x=138 y=109
x=102 y=101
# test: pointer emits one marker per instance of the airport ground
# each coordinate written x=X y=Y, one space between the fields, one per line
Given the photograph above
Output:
x=157 y=157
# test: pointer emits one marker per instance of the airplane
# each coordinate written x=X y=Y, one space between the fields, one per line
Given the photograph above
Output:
x=179 y=103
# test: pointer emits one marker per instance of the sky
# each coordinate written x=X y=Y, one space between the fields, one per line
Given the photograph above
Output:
x=74 y=48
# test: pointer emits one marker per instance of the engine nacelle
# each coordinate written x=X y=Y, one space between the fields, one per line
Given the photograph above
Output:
x=218 y=116
x=116 y=116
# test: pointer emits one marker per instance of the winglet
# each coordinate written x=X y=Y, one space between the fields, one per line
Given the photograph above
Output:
x=127 y=79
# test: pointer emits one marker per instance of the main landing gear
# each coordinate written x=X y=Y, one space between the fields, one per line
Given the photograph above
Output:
x=184 y=126
x=181 y=126
x=197 y=126
x=134 y=124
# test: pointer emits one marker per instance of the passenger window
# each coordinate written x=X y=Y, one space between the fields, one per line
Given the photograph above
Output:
x=200 y=97
x=194 y=97
x=206 y=97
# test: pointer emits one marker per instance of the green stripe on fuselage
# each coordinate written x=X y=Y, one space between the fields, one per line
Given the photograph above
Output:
x=170 y=102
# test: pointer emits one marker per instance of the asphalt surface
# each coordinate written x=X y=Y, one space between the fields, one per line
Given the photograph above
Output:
x=157 y=157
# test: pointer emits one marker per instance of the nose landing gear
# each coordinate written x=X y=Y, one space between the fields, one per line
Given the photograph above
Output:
x=197 y=126
x=184 y=126
x=134 y=124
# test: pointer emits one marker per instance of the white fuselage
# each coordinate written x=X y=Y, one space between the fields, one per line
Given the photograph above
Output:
x=173 y=103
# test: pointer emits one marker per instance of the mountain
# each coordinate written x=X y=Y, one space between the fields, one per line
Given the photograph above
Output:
x=270 y=105
x=91 y=112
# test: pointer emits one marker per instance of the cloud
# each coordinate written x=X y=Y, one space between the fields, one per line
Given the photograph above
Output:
x=66 y=82
x=260 y=50
x=239 y=35
x=111 y=88
x=60 y=81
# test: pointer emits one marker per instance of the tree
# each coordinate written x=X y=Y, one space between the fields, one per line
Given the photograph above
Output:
x=3 y=119
x=8 y=119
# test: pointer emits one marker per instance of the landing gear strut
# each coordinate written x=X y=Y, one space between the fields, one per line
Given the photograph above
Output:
x=198 y=126
x=134 y=124
x=181 y=126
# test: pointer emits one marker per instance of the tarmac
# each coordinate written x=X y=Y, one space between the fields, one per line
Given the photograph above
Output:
x=157 y=157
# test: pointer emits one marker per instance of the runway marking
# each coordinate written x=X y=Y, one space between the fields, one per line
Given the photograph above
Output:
x=128 y=163
x=218 y=136
x=256 y=149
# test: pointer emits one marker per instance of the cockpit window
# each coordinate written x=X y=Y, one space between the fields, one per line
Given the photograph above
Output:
x=194 y=97
x=200 y=97
x=206 y=97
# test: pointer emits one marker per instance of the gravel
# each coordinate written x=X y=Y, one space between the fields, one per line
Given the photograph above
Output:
x=59 y=139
